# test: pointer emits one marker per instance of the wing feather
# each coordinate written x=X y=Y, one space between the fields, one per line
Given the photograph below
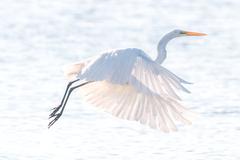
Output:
x=121 y=100
x=170 y=124
x=125 y=102
x=156 y=78
x=139 y=110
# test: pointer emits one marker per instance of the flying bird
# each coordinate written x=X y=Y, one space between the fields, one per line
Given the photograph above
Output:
x=130 y=85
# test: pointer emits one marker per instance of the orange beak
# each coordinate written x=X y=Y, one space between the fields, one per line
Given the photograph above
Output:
x=194 y=34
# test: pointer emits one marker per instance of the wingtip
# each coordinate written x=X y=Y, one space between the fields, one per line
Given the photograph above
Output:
x=185 y=82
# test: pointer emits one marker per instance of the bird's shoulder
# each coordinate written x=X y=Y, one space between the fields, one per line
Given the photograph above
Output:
x=118 y=59
x=123 y=54
x=115 y=65
x=124 y=51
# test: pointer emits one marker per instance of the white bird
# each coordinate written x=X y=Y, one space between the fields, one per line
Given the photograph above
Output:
x=128 y=84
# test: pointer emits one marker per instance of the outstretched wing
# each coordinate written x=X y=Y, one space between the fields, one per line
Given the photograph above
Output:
x=157 y=79
x=131 y=86
x=125 y=102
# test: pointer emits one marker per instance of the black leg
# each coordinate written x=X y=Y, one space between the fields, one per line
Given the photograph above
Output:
x=55 y=109
x=58 y=115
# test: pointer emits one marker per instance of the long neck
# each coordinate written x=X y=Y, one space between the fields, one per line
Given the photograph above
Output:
x=161 y=48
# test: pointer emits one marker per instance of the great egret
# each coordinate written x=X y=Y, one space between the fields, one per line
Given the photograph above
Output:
x=130 y=85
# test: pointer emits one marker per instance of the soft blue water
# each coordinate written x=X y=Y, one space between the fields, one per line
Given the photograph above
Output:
x=38 y=37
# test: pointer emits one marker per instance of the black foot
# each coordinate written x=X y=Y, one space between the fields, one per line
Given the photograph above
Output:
x=57 y=116
x=55 y=110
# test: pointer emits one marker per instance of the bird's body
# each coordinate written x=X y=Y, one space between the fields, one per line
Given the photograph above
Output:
x=107 y=66
x=129 y=84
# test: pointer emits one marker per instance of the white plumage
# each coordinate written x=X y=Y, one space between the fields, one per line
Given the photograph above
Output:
x=130 y=85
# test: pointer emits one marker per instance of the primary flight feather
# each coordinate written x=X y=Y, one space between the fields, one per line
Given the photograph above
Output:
x=128 y=84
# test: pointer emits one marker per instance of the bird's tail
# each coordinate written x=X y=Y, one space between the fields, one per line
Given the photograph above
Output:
x=71 y=71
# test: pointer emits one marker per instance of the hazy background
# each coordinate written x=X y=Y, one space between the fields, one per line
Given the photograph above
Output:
x=38 y=37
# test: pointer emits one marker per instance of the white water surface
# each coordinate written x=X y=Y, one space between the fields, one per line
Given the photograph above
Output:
x=38 y=37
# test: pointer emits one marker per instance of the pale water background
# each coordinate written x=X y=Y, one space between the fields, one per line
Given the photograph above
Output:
x=38 y=37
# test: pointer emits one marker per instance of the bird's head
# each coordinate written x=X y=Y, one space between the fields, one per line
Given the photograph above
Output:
x=175 y=33
x=180 y=33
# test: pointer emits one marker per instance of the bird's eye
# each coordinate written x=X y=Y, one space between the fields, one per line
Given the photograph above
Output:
x=182 y=32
